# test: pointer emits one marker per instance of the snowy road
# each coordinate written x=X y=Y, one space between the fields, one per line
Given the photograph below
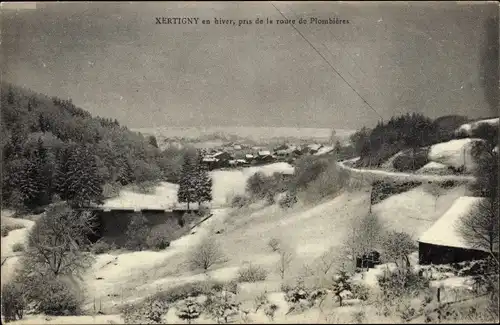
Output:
x=373 y=174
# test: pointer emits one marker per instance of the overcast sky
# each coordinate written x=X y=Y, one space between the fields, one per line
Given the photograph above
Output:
x=113 y=60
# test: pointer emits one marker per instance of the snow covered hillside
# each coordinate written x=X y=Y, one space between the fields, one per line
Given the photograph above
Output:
x=469 y=127
x=415 y=211
x=454 y=153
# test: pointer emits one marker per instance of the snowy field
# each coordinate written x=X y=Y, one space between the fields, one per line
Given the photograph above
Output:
x=225 y=185
x=228 y=183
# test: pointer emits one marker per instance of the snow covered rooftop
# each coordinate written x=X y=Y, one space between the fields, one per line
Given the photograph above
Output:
x=248 y=156
x=444 y=231
x=264 y=153
x=218 y=153
x=324 y=150
x=314 y=146
x=210 y=159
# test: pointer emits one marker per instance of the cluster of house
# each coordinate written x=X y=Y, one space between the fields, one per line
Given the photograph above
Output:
x=236 y=155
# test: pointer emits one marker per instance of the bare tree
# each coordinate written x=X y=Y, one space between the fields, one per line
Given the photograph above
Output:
x=326 y=262
x=58 y=241
x=396 y=247
x=434 y=190
x=364 y=235
x=206 y=254
x=480 y=228
x=284 y=262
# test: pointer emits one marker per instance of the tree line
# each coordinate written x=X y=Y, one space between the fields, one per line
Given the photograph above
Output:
x=52 y=149
x=408 y=131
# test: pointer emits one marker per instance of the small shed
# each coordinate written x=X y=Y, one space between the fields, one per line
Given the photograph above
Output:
x=442 y=242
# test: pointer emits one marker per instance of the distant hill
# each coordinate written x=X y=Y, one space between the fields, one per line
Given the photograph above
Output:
x=245 y=134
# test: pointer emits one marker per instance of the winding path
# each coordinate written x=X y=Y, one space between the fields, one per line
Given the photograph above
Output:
x=375 y=174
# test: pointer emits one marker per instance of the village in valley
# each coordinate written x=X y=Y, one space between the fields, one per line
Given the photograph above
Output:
x=240 y=155
x=115 y=211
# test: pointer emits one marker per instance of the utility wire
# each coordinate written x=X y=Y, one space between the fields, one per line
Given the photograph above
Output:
x=331 y=66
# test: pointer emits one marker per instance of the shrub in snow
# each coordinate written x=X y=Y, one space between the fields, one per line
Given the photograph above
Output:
x=382 y=190
x=341 y=285
x=440 y=312
x=288 y=201
x=410 y=161
x=148 y=312
x=222 y=306
x=157 y=241
x=270 y=310
x=252 y=273
x=360 y=291
x=57 y=298
x=13 y=301
x=206 y=254
x=358 y=317
x=239 y=201
x=260 y=300
x=301 y=299
x=296 y=294
x=137 y=232
x=274 y=244
x=203 y=211
x=101 y=247
x=18 y=247
x=193 y=289
x=402 y=282
x=189 y=309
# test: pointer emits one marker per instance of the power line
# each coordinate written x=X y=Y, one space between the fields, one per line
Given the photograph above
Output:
x=331 y=66
x=328 y=50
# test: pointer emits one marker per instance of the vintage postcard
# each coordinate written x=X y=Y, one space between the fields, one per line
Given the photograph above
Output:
x=185 y=162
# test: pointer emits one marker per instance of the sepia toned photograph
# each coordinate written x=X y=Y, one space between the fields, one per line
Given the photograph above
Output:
x=183 y=162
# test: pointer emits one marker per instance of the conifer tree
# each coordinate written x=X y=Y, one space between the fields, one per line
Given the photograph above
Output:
x=203 y=183
x=30 y=186
x=61 y=172
x=341 y=284
x=84 y=185
x=187 y=192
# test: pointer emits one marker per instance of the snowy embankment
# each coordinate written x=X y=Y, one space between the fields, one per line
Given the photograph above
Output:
x=455 y=153
x=469 y=127
x=416 y=210
x=434 y=168
x=373 y=174
x=17 y=236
